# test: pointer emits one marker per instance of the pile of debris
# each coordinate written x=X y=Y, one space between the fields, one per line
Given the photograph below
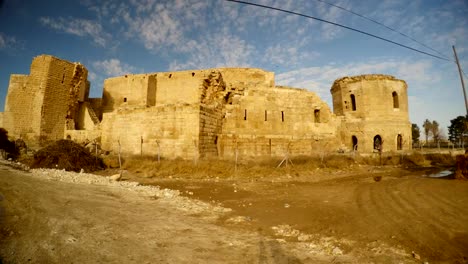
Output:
x=68 y=155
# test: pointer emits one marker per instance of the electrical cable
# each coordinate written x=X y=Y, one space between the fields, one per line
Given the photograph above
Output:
x=339 y=25
x=381 y=24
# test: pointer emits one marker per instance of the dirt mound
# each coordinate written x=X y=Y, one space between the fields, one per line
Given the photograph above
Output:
x=68 y=155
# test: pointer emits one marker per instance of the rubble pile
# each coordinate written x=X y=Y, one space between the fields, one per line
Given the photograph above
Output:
x=68 y=155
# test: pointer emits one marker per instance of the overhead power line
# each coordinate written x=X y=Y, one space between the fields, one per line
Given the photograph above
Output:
x=339 y=25
x=381 y=24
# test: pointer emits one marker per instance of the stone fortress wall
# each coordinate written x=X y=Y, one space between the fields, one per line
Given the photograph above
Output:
x=220 y=112
x=42 y=104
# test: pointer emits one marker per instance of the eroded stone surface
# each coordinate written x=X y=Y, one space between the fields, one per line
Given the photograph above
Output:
x=220 y=112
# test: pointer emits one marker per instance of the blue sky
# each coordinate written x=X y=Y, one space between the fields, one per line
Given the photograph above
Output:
x=113 y=38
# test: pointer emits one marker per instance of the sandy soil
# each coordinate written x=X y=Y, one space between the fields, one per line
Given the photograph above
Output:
x=60 y=217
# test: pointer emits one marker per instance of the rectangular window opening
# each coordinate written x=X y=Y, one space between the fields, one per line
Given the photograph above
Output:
x=266 y=115
x=245 y=114
x=282 y=116
x=317 y=115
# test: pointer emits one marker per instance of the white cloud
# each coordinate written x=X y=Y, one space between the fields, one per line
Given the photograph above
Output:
x=227 y=51
x=112 y=68
x=78 y=27
x=7 y=41
x=289 y=54
x=418 y=74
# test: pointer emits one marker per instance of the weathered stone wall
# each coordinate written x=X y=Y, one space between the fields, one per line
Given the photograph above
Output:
x=174 y=127
x=213 y=112
x=136 y=90
x=83 y=136
x=38 y=105
x=65 y=82
x=23 y=105
x=373 y=106
x=265 y=120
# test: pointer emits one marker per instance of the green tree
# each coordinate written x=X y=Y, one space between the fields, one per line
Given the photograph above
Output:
x=415 y=133
x=457 y=128
x=427 y=125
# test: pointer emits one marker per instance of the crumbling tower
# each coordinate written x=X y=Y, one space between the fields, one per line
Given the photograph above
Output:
x=374 y=112
x=42 y=105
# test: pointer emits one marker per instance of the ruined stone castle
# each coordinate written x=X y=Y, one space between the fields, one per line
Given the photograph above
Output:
x=220 y=112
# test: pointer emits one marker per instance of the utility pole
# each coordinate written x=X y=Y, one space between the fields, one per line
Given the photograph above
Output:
x=461 y=78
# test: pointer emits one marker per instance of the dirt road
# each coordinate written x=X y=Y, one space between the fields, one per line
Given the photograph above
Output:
x=373 y=221
x=55 y=217
x=46 y=221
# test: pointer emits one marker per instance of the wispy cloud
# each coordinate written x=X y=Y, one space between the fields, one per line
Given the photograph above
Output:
x=320 y=79
x=227 y=51
x=78 y=27
x=7 y=42
x=288 y=55
x=113 y=67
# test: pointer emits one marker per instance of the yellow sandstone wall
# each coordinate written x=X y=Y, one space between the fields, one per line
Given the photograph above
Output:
x=206 y=113
x=38 y=105
x=380 y=108
x=269 y=121
x=139 y=131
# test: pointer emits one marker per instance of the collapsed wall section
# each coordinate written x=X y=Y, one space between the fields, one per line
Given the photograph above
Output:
x=65 y=87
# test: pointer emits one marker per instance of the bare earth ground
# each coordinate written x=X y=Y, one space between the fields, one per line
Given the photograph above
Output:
x=52 y=216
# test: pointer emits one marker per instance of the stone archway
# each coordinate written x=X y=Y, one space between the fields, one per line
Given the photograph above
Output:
x=399 y=142
x=378 y=143
x=354 y=140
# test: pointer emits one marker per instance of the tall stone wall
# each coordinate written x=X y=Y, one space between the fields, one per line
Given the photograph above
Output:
x=39 y=105
x=23 y=105
x=171 y=130
x=136 y=90
x=64 y=84
x=215 y=112
x=273 y=121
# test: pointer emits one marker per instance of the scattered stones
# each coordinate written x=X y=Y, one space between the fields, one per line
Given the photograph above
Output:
x=116 y=177
x=337 y=251
x=286 y=231
x=151 y=192
x=238 y=219
x=415 y=256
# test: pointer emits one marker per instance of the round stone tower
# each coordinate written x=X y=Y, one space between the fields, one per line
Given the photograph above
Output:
x=374 y=112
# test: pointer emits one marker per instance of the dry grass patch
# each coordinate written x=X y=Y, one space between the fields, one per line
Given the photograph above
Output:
x=149 y=167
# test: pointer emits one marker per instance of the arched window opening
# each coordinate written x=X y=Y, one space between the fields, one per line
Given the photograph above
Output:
x=353 y=102
x=378 y=143
x=399 y=142
x=396 y=103
x=355 y=143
